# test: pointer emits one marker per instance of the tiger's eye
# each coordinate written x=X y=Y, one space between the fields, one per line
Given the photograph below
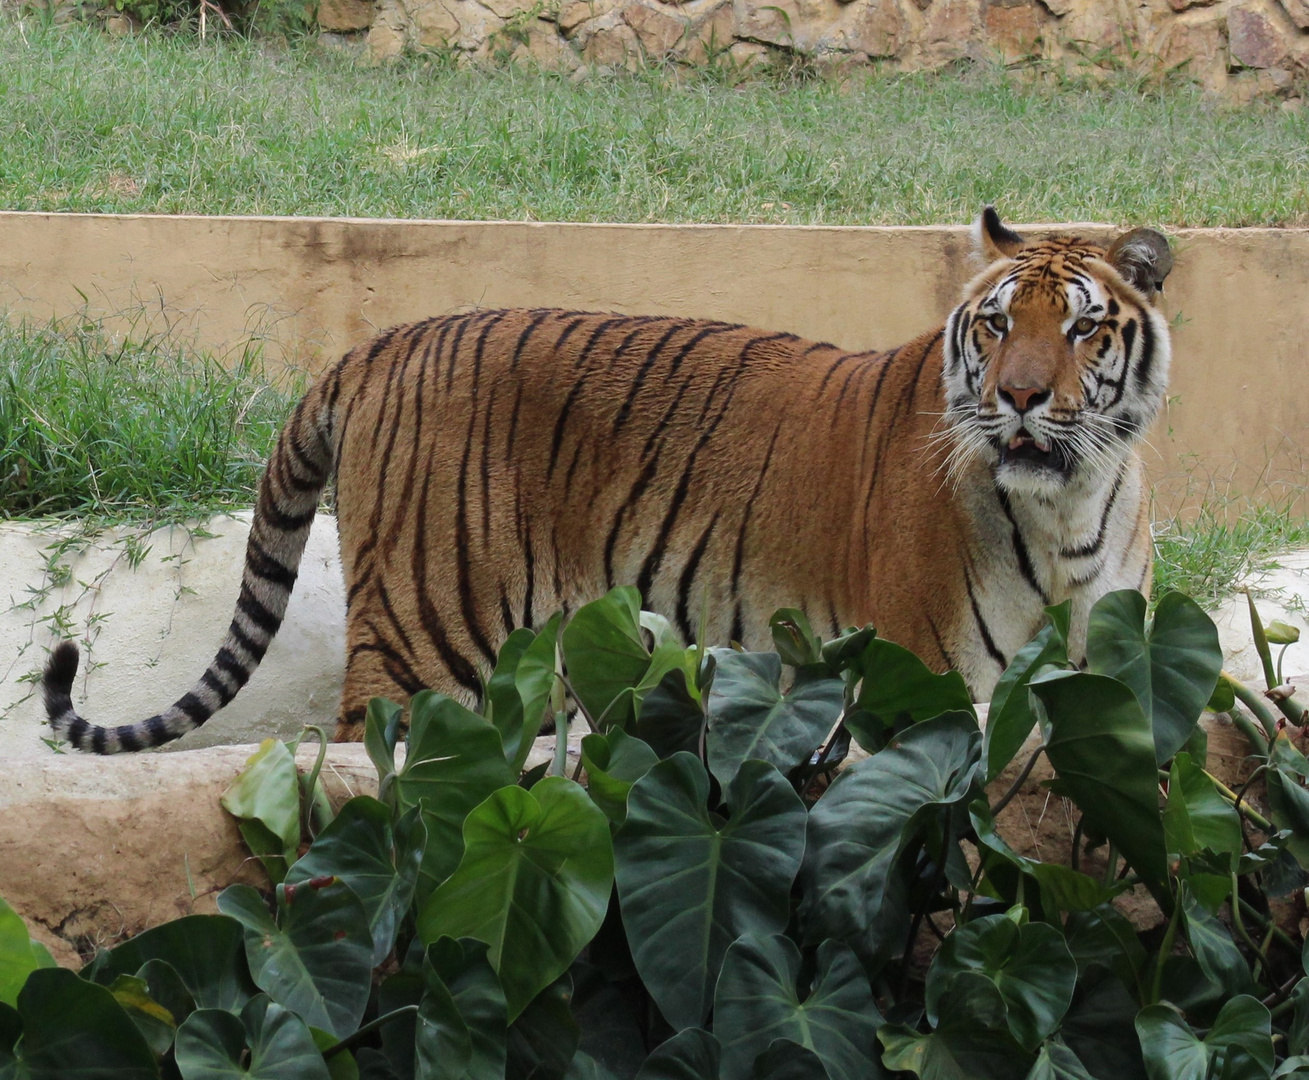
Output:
x=999 y=322
x=1084 y=326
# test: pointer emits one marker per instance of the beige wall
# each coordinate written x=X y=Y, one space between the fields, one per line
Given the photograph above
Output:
x=316 y=286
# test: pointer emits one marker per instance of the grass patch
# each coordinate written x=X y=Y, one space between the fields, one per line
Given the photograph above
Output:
x=1216 y=548
x=140 y=428
x=167 y=123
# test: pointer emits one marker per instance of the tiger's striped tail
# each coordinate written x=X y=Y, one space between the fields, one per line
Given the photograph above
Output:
x=300 y=466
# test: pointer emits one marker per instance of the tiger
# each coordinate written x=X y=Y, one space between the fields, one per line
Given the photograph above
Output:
x=494 y=466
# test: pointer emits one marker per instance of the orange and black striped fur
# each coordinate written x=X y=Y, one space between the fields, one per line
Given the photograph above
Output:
x=496 y=466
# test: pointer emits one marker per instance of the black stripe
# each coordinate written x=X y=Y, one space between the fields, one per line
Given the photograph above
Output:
x=196 y=709
x=837 y=364
x=1147 y=353
x=275 y=518
x=650 y=357
x=254 y=609
x=688 y=579
x=254 y=648
x=529 y=566
x=263 y=565
x=127 y=738
x=1020 y=547
x=226 y=661
x=987 y=640
x=1093 y=548
x=97 y=741
x=738 y=623
x=157 y=730
x=218 y=687
x=739 y=558
x=540 y=317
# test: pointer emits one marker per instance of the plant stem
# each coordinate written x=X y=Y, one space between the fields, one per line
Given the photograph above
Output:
x=1165 y=949
x=311 y=782
x=1240 y=926
x=1242 y=808
x=1255 y=704
x=369 y=1028
x=1008 y=796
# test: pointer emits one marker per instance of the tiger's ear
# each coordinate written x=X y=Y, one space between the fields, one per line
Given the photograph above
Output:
x=1143 y=259
x=992 y=239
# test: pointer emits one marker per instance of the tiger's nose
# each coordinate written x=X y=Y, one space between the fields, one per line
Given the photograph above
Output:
x=1023 y=398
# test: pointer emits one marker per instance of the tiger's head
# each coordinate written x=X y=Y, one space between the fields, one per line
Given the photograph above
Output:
x=1057 y=360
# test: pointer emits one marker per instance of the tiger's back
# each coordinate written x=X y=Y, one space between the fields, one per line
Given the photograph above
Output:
x=530 y=460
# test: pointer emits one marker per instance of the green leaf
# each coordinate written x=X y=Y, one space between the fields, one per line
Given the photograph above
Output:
x=206 y=951
x=1062 y=887
x=1172 y=671
x=1102 y=935
x=750 y=717
x=381 y=733
x=1057 y=1062
x=19 y=954
x=533 y=883
x=535 y=678
x=455 y=760
x=692 y=1054
x=503 y=704
x=379 y=864
x=1098 y=1027
x=787 y=1060
x=1029 y=965
x=898 y=688
x=794 y=638
x=757 y=1001
x=1223 y=699
x=1196 y=816
x=156 y=1023
x=1173 y=1052
x=1103 y=751
x=605 y=654
x=75 y=1030
x=464 y=969
x=267 y=791
x=1010 y=719
x=671 y=718
x=690 y=884
x=846 y=871
x=1281 y=633
x=544 y=1037
x=213 y=1044
x=317 y=958
x=1213 y=948
x=165 y=986
x=971 y=1042
x=613 y=763
x=443 y=1045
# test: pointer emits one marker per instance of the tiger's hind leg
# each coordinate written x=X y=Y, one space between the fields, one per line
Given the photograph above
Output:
x=374 y=667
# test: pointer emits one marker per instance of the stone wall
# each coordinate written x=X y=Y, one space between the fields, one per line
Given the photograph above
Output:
x=1241 y=47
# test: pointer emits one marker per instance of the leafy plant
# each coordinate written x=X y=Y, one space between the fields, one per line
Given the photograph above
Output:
x=717 y=892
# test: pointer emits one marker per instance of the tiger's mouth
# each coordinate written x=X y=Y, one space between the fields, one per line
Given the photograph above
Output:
x=1026 y=449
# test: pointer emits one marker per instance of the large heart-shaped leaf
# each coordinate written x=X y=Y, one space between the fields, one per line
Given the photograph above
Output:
x=757 y=1001
x=266 y=1042
x=692 y=1054
x=267 y=793
x=533 y=884
x=1213 y=948
x=898 y=688
x=1172 y=670
x=671 y=719
x=1098 y=1027
x=464 y=970
x=1057 y=1062
x=787 y=1060
x=605 y=654
x=75 y=1030
x=1196 y=816
x=543 y=1039
x=1103 y=751
x=847 y=870
x=1029 y=965
x=443 y=1045
x=690 y=883
x=455 y=760
x=503 y=704
x=19 y=954
x=614 y=762
x=750 y=717
x=206 y=951
x=1173 y=1051
x=317 y=958
x=534 y=678
x=1010 y=719
x=378 y=863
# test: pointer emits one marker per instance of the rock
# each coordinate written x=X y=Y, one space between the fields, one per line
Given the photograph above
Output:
x=613 y=45
x=658 y=29
x=952 y=32
x=345 y=15
x=710 y=33
x=541 y=43
x=571 y=16
x=386 y=37
x=506 y=9
x=121 y=25
x=1298 y=10
x=1014 y=30
x=1183 y=5
x=434 y=25
x=1254 y=40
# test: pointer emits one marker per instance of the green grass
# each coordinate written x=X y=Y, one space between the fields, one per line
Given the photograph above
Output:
x=138 y=429
x=166 y=123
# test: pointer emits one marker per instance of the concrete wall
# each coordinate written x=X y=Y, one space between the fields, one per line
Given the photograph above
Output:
x=314 y=287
